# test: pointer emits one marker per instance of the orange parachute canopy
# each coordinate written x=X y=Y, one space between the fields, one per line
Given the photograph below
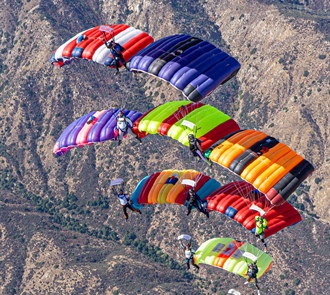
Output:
x=269 y=165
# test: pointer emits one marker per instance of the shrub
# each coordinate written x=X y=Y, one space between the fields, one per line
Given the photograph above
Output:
x=253 y=51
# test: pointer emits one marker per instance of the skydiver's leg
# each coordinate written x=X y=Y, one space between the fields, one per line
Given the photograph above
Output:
x=133 y=209
x=195 y=265
x=256 y=282
x=187 y=262
x=198 y=208
x=189 y=209
x=196 y=155
x=203 y=158
x=120 y=136
x=124 y=63
x=265 y=244
x=125 y=211
x=262 y=239
x=129 y=130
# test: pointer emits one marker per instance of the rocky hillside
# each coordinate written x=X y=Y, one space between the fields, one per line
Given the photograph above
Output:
x=60 y=232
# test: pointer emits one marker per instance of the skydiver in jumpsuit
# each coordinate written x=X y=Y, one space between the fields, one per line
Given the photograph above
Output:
x=116 y=50
x=194 y=200
x=189 y=254
x=252 y=274
x=261 y=225
x=124 y=124
x=125 y=202
x=196 y=149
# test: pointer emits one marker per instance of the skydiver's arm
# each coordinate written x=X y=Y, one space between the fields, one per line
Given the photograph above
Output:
x=199 y=201
x=128 y=120
x=199 y=146
x=106 y=44
x=265 y=223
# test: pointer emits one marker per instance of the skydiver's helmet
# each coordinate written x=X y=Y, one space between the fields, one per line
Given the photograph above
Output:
x=81 y=38
x=191 y=191
x=188 y=245
x=191 y=136
x=90 y=119
x=259 y=220
x=111 y=43
x=121 y=114
x=121 y=191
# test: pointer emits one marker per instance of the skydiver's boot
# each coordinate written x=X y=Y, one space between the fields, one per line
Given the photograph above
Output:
x=207 y=214
x=125 y=65
x=209 y=163
x=119 y=142
x=138 y=138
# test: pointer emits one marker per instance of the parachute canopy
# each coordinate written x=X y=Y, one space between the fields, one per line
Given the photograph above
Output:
x=271 y=166
x=177 y=119
x=233 y=256
x=166 y=187
x=94 y=127
x=192 y=65
x=236 y=200
x=184 y=238
x=240 y=201
x=89 y=45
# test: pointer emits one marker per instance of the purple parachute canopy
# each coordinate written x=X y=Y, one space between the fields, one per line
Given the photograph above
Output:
x=93 y=127
x=194 y=66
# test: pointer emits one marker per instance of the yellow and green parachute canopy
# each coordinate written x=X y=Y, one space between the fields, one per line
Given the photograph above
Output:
x=177 y=119
x=233 y=256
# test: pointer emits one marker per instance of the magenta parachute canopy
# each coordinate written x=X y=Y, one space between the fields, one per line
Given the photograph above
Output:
x=94 y=127
x=194 y=66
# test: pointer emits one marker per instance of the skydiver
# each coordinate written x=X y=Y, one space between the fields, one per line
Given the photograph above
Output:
x=261 y=225
x=252 y=274
x=125 y=202
x=81 y=38
x=196 y=149
x=116 y=50
x=193 y=200
x=189 y=254
x=90 y=119
x=124 y=124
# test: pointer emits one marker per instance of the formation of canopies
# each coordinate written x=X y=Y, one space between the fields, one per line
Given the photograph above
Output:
x=269 y=165
x=192 y=65
x=270 y=170
x=237 y=200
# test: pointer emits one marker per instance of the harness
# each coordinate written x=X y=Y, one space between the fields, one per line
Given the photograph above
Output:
x=193 y=200
x=193 y=144
x=252 y=272
x=123 y=119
